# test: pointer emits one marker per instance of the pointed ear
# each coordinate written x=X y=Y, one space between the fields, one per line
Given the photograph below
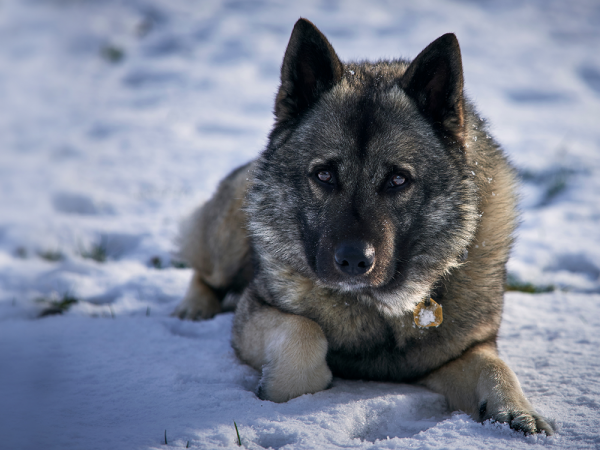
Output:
x=310 y=68
x=435 y=81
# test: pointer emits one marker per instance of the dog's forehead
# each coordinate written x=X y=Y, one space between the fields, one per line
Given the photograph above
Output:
x=372 y=125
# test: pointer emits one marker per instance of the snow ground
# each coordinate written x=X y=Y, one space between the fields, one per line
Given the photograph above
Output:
x=118 y=117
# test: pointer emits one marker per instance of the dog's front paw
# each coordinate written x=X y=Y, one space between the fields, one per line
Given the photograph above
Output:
x=289 y=350
x=520 y=417
x=196 y=310
x=199 y=303
x=296 y=360
x=280 y=384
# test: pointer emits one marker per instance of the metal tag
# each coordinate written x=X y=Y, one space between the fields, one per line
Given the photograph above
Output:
x=428 y=313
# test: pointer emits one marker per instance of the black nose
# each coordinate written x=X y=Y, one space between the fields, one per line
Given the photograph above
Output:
x=354 y=258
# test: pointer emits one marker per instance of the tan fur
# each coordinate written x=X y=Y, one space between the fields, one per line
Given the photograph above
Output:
x=290 y=350
x=200 y=301
x=482 y=385
x=214 y=241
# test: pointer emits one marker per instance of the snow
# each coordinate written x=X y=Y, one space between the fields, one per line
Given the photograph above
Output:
x=118 y=118
x=426 y=317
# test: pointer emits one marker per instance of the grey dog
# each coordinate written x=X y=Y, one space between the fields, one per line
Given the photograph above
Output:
x=370 y=238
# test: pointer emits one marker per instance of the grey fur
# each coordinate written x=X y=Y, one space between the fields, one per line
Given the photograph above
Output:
x=390 y=162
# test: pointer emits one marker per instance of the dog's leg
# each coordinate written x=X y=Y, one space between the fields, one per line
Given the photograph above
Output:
x=482 y=385
x=289 y=349
x=200 y=301
x=214 y=242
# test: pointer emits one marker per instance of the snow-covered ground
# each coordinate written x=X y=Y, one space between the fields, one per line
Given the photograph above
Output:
x=118 y=117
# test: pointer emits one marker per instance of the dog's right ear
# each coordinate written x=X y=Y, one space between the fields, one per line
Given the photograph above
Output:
x=310 y=68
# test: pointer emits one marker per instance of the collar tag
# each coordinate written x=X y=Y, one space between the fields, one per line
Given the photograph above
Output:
x=428 y=313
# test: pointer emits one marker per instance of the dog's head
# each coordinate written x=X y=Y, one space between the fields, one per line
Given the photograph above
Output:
x=364 y=186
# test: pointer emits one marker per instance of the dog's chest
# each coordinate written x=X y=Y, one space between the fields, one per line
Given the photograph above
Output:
x=365 y=344
x=362 y=341
x=350 y=324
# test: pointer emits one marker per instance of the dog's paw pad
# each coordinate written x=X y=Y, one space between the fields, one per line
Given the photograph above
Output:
x=525 y=421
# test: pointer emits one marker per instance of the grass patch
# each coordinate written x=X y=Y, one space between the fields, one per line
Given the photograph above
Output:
x=112 y=54
x=57 y=306
x=513 y=284
x=97 y=251
x=158 y=263
x=180 y=265
x=558 y=185
x=155 y=262
x=51 y=255
x=554 y=182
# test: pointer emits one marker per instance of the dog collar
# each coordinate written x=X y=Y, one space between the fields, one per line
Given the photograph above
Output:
x=428 y=313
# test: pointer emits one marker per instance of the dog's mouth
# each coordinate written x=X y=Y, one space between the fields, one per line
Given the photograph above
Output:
x=352 y=285
x=348 y=284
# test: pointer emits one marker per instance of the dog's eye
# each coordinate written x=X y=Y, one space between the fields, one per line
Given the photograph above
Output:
x=325 y=176
x=396 y=181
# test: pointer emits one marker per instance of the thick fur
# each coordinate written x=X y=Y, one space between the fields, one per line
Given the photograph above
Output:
x=379 y=187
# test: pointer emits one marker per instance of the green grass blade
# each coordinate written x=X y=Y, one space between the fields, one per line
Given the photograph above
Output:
x=238 y=434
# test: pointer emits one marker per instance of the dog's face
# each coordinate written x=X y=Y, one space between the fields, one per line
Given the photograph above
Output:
x=369 y=185
x=375 y=186
x=363 y=185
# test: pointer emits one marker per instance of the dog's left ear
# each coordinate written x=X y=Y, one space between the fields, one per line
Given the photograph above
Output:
x=435 y=81
x=310 y=68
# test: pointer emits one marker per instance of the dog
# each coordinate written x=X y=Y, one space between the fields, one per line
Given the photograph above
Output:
x=369 y=240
